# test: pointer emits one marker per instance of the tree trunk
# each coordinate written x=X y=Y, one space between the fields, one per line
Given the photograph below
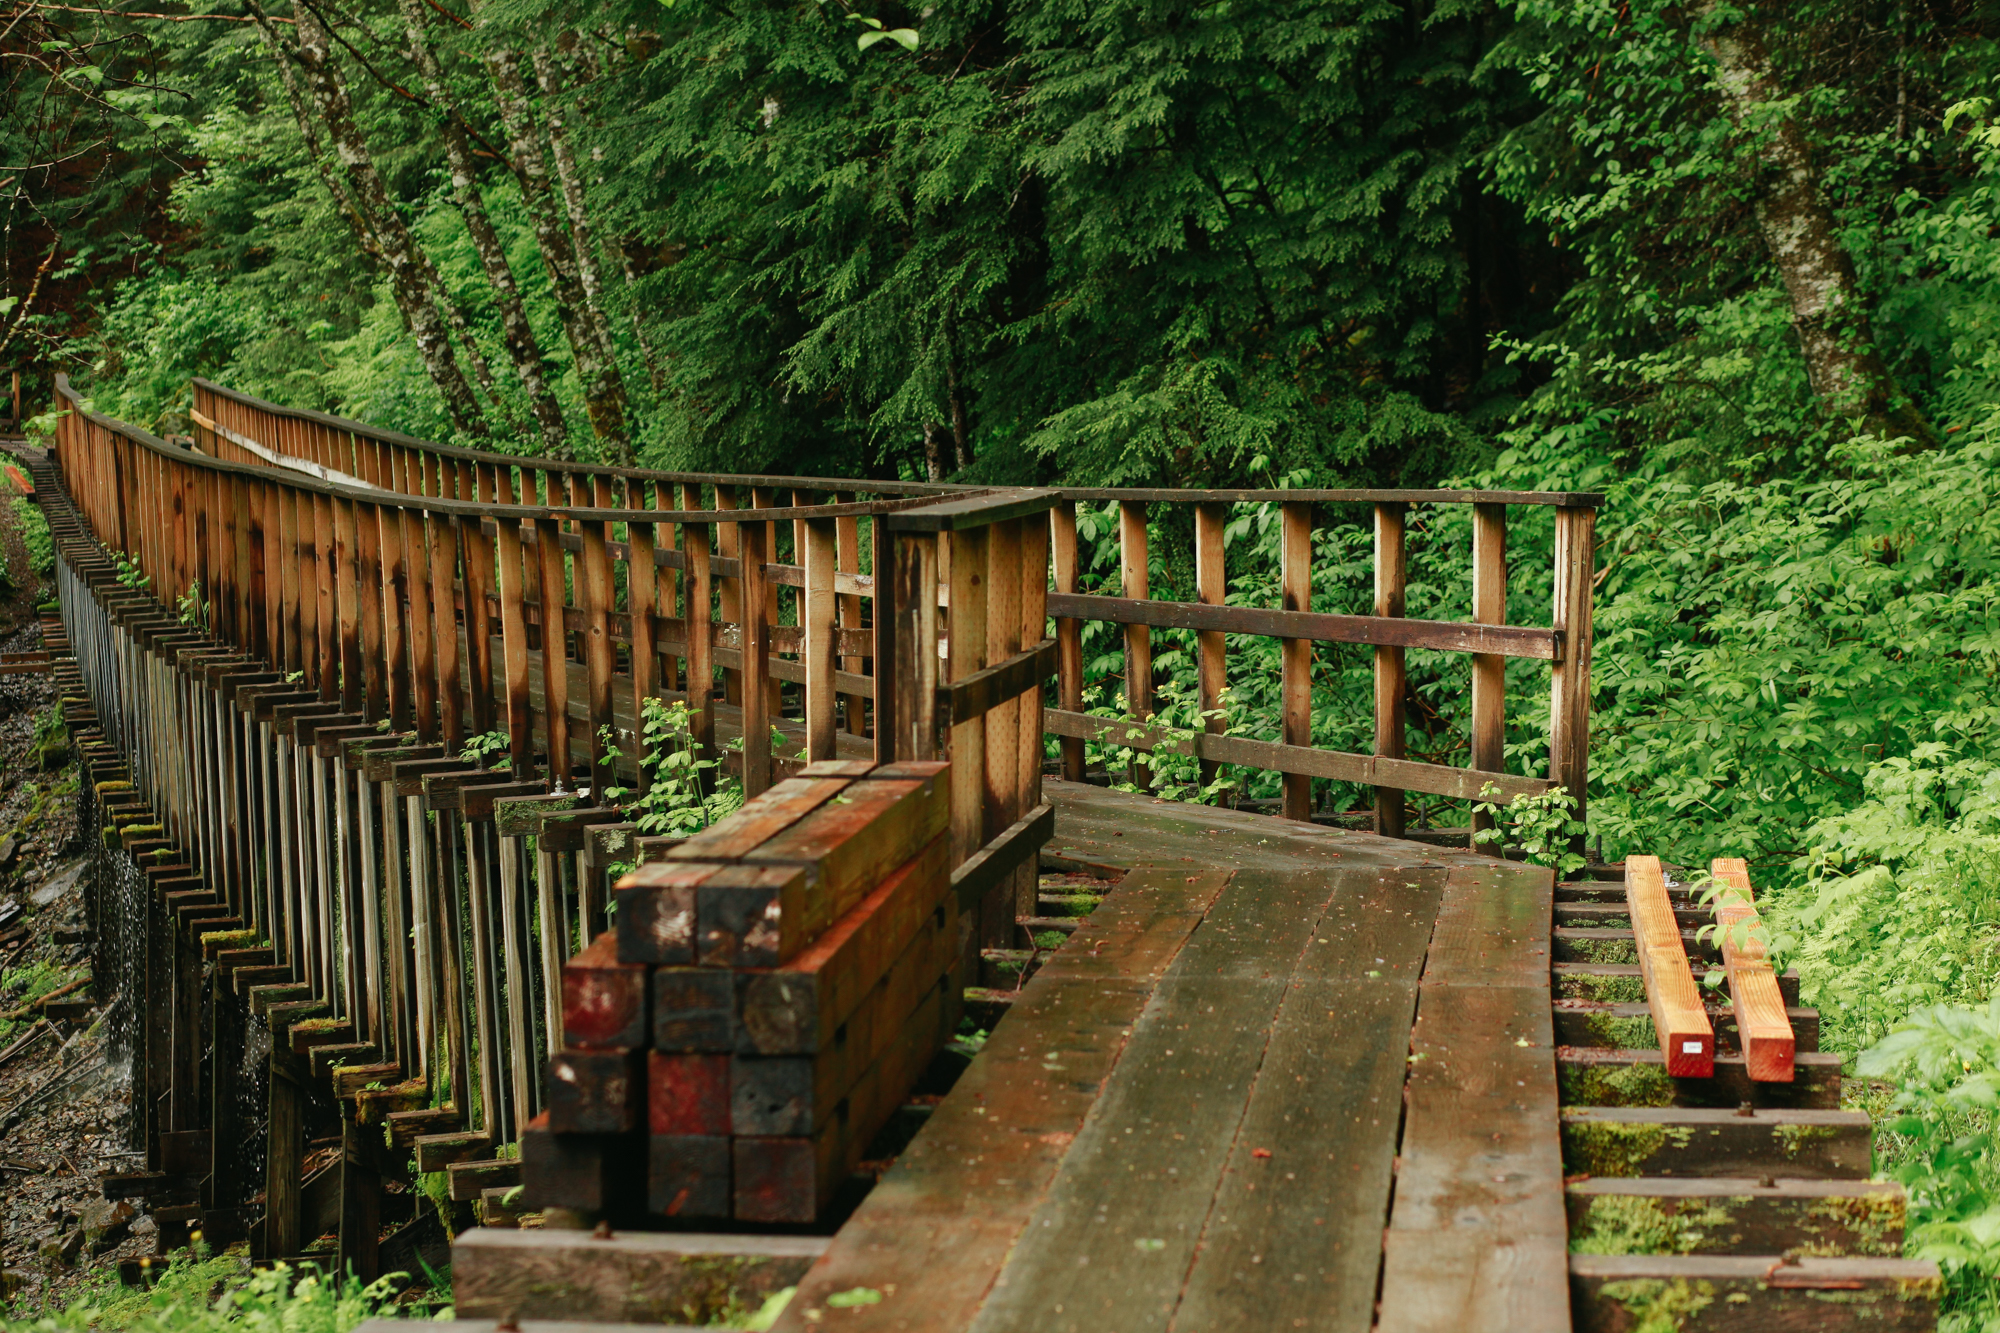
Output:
x=523 y=348
x=589 y=275
x=603 y=390
x=961 y=442
x=412 y=280
x=933 y=452
x=1828 y=313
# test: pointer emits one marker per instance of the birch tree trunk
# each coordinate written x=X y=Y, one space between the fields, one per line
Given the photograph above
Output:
x=589 y=275
x=1798 y=228
x=523 y=348
x=412 y=280
x=603 y=389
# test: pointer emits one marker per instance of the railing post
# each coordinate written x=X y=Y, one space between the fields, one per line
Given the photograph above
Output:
x=1069 y=632
x=1002 y=741
x=555 y=650
x=753 y=545
x=1212 y=589
x=847 y=559
x=816 y=624
x=699 y=626
x=967 y=646
x=1295 y=572
x=1135 y=573
x=1569 y=703
x=1489 y=670
x=1391 y=575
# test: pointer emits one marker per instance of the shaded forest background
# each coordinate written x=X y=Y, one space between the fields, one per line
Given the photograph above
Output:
x=1733 y=264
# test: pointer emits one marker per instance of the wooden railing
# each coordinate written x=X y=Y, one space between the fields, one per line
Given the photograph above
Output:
x=287 y=662
x=1488 y=638
x=267 y=432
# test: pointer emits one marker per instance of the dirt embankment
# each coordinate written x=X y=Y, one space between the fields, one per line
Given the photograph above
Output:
x=63 y=1117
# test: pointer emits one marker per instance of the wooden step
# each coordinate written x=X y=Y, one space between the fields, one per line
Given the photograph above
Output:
x=1596 y=1023
x=1593 y=944
x=1698 y=1142
x=1736 y=1215
x=1617 y=916
x=1625 y=1293
x=1599 y=1076
x=1621 y=982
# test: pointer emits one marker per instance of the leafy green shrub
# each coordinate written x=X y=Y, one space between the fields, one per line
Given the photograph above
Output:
x=684 y=793
x=274 y=1300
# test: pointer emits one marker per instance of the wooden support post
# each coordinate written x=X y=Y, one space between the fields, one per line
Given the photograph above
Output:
x=729 y=545
x=816 y=621
x=1295 y=551
x=442 y=531
x=360 y=1204
x=284 y=1159
x=1069 y=632
x=1001 y=745
x=1569 y=704
x=1489 y=670
x=1391 y=576
x=968 y=739
x=1135 y=575
x=1034 y=582
x=641 y=607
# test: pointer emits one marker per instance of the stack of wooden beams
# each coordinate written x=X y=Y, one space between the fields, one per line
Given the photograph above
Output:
x=772 y=991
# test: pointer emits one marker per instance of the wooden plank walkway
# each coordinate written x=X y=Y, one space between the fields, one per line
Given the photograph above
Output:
x=1191 y=1118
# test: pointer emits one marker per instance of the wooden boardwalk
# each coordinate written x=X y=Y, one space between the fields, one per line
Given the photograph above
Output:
x=1281 y=1073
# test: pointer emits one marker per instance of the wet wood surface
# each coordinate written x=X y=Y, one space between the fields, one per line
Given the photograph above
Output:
x=1190 y=1116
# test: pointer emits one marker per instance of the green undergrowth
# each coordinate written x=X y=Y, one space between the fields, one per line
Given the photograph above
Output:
x=200 y=1294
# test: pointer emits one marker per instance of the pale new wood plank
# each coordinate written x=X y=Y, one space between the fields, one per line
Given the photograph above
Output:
x=1770 y=1046
x=1686 y=1040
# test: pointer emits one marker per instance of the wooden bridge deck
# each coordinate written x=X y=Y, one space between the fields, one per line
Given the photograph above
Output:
x=1283 y=1073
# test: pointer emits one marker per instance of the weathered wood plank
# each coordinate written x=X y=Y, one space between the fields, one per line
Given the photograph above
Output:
x=1477 y=1237
x=938 y=1227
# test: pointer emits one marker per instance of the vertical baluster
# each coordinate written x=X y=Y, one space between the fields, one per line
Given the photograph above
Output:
x=1069 y=632
x=816 y=623
x=641 y=606
x=1391 y=574
x=696 y=539
x=395 y=649
x=1489 y=670
x=1033 y=577
x=423 y=639
x=1211 y=589
x=1002 y=721
x=594 y=593
x=479 y=567
x=1136 y=574
x=555 y=649
x=1297 y=654
x=967 y=646
x=752 y=544
x=729 y=545
x=510 y=577
x=847 y=559
x=443 y=535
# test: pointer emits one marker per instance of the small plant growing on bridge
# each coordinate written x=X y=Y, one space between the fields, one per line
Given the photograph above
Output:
x=1177 y=722
x=1542 y=826
x=193 y=608
x=684 y=793
x=130 y=575
x=479 y=748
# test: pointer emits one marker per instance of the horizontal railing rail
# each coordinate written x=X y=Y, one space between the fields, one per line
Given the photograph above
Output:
x=314 y=439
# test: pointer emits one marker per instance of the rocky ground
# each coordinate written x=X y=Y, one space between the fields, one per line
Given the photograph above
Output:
x=63 y=1114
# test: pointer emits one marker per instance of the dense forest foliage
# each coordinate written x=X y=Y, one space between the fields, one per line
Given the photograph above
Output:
x=1733 y=264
